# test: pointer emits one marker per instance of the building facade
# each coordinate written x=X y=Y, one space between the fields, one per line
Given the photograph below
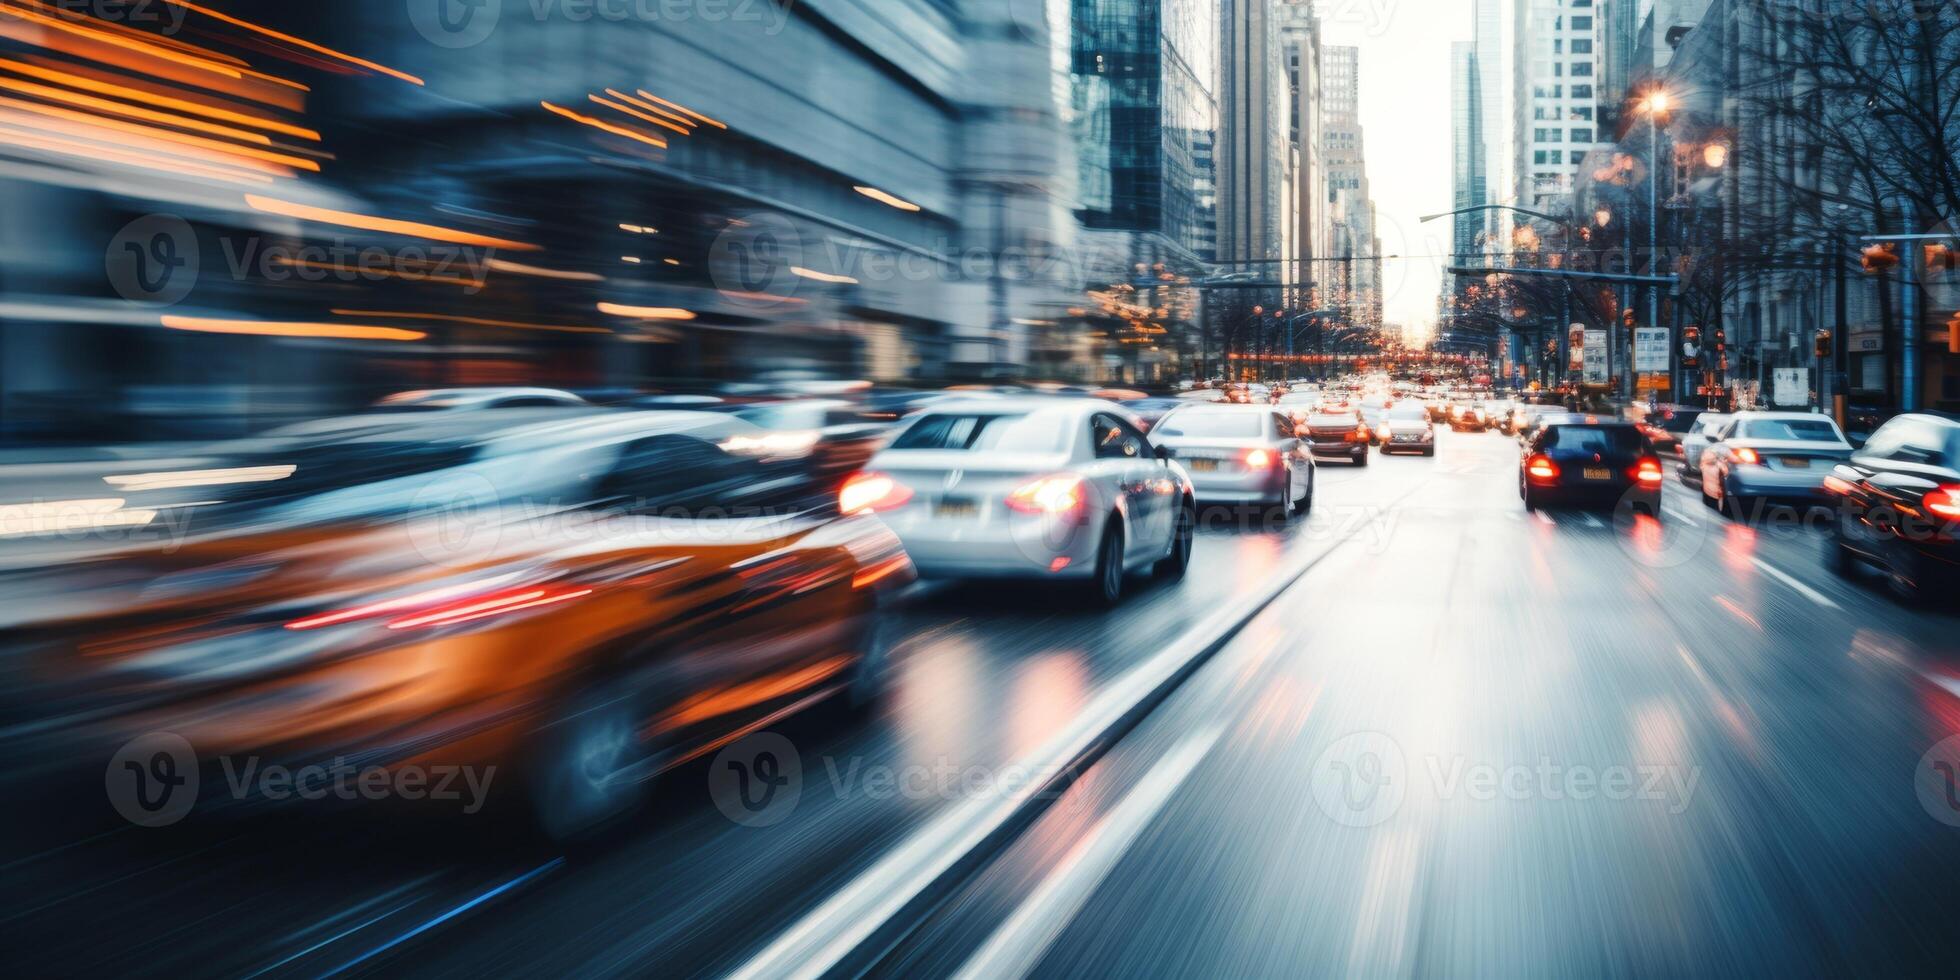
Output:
x=1555 y=79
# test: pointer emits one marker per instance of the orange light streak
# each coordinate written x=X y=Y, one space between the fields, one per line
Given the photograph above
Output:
x=392 y=226
x=127 y=93
x=637 y=114
x=680 y=108
x=630 y=134
x=268 y=328
x=296 y=41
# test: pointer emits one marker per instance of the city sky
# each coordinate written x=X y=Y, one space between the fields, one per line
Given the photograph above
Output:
x=1405 y=114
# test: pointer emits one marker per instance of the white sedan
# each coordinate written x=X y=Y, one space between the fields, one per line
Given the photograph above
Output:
x=1030 y=488
x=1778 y=456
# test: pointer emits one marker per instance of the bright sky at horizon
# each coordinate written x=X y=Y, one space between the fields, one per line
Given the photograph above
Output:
x=1405 y=121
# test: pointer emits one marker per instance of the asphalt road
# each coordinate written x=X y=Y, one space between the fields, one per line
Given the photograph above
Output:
x=1467 y=739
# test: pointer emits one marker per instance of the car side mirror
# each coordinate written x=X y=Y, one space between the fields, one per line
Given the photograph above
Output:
x=1162 y=453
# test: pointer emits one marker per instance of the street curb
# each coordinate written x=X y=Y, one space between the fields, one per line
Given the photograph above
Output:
x=858 y=925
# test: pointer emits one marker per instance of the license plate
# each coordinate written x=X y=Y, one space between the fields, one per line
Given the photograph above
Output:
x=1598 y=473
x=956 y=508
x=1796 y=462
x=1202 y=465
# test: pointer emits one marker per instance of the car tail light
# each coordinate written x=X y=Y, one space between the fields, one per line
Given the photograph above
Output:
x=1058 y=495
x=1747 y=455
x=1648 y=470
x=1945 y=501
x=1541 y=467
x=1258 y=459
x=1838 y=485
x=870 y=492
x=447 y=605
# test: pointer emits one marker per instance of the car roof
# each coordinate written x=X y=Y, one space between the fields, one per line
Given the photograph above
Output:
x=1779 y=416
x=1020 y=405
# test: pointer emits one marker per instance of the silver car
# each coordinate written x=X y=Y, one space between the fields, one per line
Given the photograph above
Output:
x=1770 y=455
x=1030 y=488
x=1694 y=442
x=1241 y=454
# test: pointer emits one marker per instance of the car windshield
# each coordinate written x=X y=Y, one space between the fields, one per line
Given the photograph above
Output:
x=1041 y=432
x=1593 y=439
x=1800 y=430
x=807 y=416
x=1215 y=425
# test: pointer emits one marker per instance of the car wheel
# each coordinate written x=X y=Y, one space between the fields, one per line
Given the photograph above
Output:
x=1837 y=555
x=1362 y=459
x=1106 y=586
x=871 y=678
x=1282 y=508
x=1431 y=451
x=588 y=768
x=1305 y=501
x=1174 y=565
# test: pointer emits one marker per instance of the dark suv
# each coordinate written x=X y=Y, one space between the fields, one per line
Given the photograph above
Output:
x=1898 y=504
x=1583 y=461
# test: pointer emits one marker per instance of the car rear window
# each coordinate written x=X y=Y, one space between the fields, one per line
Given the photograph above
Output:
x=1406 y=412
x=1036 y=433
x=1593 y=438
x=1331 y=421
x=1214 y=425
x=1818 y=430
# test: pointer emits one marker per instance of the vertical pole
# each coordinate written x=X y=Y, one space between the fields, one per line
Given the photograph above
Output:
x=1909 y=333
x=1841 y=349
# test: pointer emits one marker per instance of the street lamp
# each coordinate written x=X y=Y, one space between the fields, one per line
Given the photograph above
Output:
x=1603 y=216
x=1656 y=105
x=1716 y=155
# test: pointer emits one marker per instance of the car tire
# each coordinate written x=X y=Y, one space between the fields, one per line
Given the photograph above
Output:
x=1173 y=566
x=1838 y=558
x=1361 y=460
x=1430 y=452
x=1106 y=584
x=587 y=770
x=1305 y=501
x=871 y=677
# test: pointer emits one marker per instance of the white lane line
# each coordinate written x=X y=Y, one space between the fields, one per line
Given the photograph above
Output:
x=1592 y=521
x=1790 y=580
x=1019 y=944
x=1545 y=518
x=1680 y=515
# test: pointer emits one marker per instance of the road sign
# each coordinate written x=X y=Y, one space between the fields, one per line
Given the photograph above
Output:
x=1650 y=349
x=1595 y=350
x=1792 y=387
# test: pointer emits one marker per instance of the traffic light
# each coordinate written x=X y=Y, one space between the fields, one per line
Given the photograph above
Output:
x=1940 y=258
x=1881 y=257
x=1824 y=345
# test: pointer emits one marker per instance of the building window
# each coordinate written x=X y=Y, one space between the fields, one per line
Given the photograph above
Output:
x=1582 y=136
x=1582 y=91
x=1582 y=23
x=1539 y=157
x=1582 y=45
x=1583 y=112
x=1582 y=69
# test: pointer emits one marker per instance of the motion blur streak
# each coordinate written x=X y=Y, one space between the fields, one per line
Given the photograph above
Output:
x=263 y=328
x=348 y=219
x=290 y=39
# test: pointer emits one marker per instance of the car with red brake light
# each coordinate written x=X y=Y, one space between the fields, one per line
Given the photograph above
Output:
x=1780 y=457
x=1898 y=506
x=1584 y=461
x=1240 y=455
x=1338 y=433
x=1064 y=489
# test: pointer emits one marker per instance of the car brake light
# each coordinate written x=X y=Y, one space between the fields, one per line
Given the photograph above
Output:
x=1648 y=470
x=1945 y=502
x=870 y=492
x=1048 y=495
x=1838 y=485
x=1258 y=459
x=1747 y=455
x=1541 y=467
x=446 y=606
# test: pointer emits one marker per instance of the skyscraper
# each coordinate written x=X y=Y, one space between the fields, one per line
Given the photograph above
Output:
x=1252 y=156
x=1554 y=71
x=1469 y=177
x=1300 y=37
x=1352 y=274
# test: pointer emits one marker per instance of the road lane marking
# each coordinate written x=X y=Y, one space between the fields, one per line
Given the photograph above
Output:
x=843 y=925
x=1591 y=521
x=1024 y=938
x=1792 y=581
x=545 y=868
x=1944 y=682
x=1544 y=518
